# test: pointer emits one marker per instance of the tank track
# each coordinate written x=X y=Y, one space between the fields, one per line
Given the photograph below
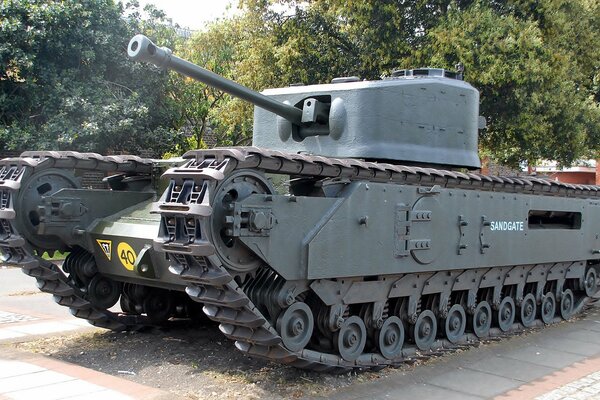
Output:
x=17 y=251
x=225 y=297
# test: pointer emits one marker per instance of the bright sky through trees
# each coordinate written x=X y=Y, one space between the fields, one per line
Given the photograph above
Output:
x=194 y=14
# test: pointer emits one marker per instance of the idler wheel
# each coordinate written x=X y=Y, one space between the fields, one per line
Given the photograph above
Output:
x=424 y=330
x=548 y=308
x=528 y=310
x=103 y=292
x=455 y=323
x=231 y=251
x=295 y=326
x=158 y=306
x=591 y=282
x=505 y=314
x=390 y=338
x=29 y=199
x=481 y=322
x=567 y=304
x=351 y=338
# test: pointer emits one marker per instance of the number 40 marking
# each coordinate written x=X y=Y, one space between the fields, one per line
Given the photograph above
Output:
x=127 y=255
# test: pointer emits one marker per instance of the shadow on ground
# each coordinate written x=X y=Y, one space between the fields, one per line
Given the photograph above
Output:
x=195 y=361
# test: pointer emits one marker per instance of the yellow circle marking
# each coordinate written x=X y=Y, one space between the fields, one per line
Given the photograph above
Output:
x=126 y=255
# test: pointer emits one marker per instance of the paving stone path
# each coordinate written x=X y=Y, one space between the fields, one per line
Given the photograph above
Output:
x=587 y=388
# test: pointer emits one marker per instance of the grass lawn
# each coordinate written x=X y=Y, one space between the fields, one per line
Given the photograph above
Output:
x=56 y=256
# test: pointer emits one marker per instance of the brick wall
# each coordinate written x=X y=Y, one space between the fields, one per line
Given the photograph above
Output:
x=579 y=178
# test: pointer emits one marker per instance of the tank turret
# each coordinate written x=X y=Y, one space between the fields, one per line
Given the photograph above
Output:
x=424 y=116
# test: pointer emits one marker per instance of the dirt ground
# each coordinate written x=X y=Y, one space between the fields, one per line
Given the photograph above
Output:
x=193 y=362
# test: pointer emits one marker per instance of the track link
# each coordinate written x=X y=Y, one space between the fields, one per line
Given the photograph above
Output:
x=15 y=249
x=210 y=283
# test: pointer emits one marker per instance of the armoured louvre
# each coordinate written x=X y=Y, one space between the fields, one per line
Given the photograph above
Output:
x=365 y=262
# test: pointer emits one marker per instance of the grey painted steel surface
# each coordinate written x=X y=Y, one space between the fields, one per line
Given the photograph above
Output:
x=429 y=120
x=325 y=238
x=44 y=208
x=136 y=227
x=393 y=248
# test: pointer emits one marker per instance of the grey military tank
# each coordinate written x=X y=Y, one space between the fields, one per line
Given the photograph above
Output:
x=386 y=246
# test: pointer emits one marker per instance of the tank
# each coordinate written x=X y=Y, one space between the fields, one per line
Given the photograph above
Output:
x=386 y=245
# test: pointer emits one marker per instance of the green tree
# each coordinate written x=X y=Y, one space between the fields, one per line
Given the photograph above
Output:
x=239 y=49
x=253 y=64
x=212 y=49
x=536 y=92
x=66 y=82
x=322 y=39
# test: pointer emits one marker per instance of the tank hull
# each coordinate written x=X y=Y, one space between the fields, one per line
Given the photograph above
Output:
x=360 y=265
x=360 y=256
x=388 y=228
x=45 y=209
x=123 y=243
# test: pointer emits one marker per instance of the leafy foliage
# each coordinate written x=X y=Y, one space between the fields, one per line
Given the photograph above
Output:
x=199 y=104
x=66 y=83
x=240 y=49
x=531 y=88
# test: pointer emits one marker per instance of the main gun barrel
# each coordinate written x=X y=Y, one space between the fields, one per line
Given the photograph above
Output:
x=142 y=49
